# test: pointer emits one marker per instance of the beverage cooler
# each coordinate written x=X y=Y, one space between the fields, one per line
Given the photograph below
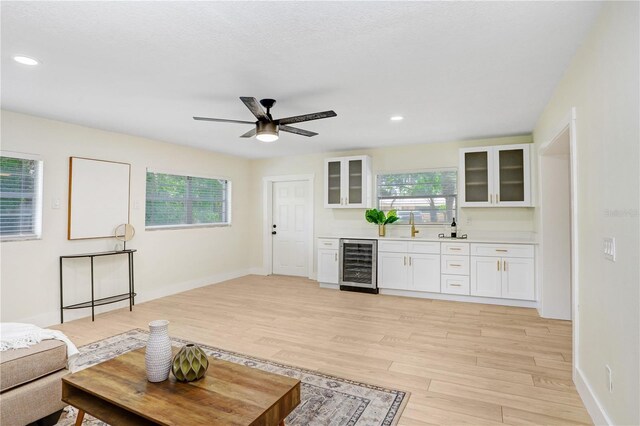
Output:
x=357 y=266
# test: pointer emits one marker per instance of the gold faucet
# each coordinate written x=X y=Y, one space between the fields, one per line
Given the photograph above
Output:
x=414 y=231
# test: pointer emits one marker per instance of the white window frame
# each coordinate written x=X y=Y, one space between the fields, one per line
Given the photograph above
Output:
x=37 y=228
x=228 y=197
x=434 y=169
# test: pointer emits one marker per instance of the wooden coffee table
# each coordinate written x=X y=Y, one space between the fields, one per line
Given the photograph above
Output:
x=117 y=392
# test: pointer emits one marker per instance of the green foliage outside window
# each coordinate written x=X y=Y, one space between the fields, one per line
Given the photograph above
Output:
x=185 y=200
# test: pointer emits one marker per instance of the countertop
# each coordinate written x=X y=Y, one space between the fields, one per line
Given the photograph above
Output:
x=485 y=240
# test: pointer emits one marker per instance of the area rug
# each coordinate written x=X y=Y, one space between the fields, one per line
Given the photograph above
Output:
x=325 y=400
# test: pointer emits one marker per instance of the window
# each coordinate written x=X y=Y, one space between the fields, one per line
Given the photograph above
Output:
x=431 y=195
x=20 y=197
x=176 y=200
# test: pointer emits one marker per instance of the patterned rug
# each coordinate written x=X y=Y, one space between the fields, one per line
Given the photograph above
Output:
x=325 y=400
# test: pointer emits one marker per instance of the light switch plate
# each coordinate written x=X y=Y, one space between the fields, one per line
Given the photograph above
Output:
x=610 y=248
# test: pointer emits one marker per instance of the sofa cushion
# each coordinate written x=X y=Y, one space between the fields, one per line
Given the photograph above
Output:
x=19 y=366
x=35 y=400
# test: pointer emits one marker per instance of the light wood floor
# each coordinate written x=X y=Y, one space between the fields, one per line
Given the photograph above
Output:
x=463 y=363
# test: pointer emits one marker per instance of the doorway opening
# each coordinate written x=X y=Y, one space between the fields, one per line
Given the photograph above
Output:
x=558 y=228
x=288 y=225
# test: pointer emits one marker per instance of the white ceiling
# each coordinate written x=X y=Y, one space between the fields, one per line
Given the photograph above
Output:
x=454 y=70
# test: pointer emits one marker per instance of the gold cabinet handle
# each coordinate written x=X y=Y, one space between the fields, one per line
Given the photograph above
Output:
x=455 y=285
x=502 y=250
x=497 y=198
x=498 y=264
x=405 y=260
x=455 y=248
x=455 y=265
x=491 y=198
x=409 y=260
x=504 y=265
x=336 y=257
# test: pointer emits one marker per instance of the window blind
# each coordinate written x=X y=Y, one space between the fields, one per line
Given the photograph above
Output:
x=185 y=200
x=20 y=197
x=431 y=195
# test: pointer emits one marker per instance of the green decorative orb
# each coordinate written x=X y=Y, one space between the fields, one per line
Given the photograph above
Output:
x=190 y=363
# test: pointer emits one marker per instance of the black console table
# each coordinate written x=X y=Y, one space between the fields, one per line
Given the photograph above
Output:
x=106 y=300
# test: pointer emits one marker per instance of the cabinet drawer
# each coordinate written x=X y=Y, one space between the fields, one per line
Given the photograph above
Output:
x=455 y=248
x=328 y=243
x=426 y=248
x=502 y=250
x=392 y=246
x=454 y=284
x=455 y=265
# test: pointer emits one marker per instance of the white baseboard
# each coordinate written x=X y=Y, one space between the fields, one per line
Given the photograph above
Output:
x=460 y=298
x=258 y=271
x=331 y=286
x=50 y=318
x=596 y=411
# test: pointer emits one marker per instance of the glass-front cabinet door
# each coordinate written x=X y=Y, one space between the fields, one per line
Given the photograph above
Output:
x=333 y=193
x=347 y=182
x=477 y=178
x=354 y=184
x=512 y=177
x=495 y=176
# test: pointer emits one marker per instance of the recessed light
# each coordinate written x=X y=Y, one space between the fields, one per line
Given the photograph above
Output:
x=25 y=60
x=397 y=118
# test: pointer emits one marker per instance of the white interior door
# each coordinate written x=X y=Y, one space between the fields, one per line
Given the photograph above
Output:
x=291 y=207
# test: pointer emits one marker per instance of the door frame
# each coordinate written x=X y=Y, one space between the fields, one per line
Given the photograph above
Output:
x=267 y=219
x=568 y=123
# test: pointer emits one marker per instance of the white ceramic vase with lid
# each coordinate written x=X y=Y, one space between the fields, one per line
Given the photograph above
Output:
x=158 y=353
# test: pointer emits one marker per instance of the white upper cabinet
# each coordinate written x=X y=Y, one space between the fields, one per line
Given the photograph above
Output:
x=347 y=182
x=495 y=176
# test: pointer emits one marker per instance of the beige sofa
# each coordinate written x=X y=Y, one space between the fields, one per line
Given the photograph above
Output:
x=30 y=385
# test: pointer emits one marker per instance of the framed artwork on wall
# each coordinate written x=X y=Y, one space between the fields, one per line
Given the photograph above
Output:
x=99 y=194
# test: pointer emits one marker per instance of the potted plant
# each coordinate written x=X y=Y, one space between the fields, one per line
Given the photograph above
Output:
x=379 y=218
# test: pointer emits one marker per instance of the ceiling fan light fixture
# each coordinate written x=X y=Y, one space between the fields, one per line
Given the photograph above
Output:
x=267 y=131
x=26 y=60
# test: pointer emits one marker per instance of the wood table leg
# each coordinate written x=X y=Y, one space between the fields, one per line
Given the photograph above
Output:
x=80 y=417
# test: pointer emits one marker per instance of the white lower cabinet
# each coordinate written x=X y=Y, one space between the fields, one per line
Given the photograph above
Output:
x=424 y=272
x=507 y=277
x=486 y=278
x=328 y=260
x=409 y=270
x=392 y=271
x=455 y=284
x=517 y=279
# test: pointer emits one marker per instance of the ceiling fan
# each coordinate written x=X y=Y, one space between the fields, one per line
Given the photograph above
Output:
x=266 y=128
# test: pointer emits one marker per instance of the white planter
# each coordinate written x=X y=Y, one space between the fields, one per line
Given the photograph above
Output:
x=158 y=353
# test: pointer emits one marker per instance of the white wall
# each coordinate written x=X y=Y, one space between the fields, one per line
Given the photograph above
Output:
x=167 y=261
x=392 y=159
x=602 y=82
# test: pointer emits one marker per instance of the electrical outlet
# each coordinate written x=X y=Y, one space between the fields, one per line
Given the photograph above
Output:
x=468 y=220
x=136 y=205
x=609 y=378
x=55 y=203
x=609 y=248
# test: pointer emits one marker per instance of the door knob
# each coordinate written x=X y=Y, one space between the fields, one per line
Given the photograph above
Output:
x=273 y=232
x=274 y=225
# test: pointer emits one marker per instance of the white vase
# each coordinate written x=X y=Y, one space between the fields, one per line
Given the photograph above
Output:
x=158 y=355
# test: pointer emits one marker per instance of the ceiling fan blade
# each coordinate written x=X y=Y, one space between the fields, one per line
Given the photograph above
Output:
x=295 y=130
x=249 y=134
x=223 y=120
x=307 y=117
x=255 y=108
